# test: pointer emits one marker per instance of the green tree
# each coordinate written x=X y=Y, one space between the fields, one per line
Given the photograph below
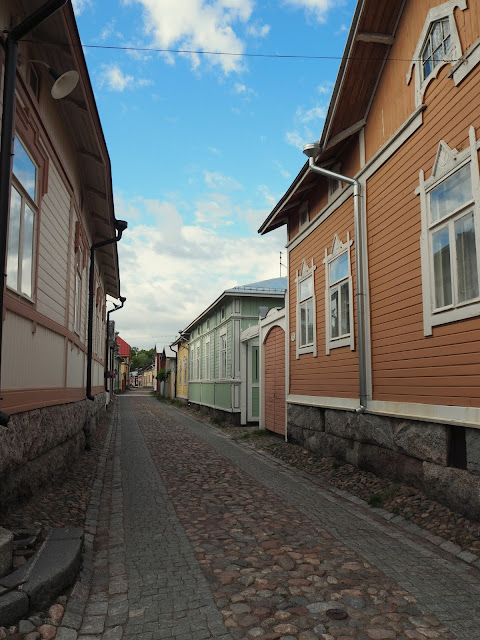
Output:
x=140 y=358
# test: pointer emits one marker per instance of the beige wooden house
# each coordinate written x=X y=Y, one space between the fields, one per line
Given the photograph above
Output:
x=383 y=226
x=60 y=203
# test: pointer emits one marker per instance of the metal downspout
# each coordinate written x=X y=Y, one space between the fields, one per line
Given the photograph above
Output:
x=107 y=350
x=120 y=225
x=8 y=116
x=360 y=293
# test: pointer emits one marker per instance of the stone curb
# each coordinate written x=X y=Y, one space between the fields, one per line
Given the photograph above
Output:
x=468 y=557
x=75 y=608
x=44 y=577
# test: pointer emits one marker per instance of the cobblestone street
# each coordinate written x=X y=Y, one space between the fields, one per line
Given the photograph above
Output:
x=194 y=536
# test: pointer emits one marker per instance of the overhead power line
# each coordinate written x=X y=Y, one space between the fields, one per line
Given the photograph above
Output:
x=235 y=54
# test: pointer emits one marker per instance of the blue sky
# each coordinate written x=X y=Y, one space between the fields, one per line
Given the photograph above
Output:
x=203 y=146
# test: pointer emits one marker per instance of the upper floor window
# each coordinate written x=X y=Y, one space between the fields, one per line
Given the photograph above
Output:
x=303 y=218
x=207 y=360
x=338 y=295
x=451 y=236
x=306 y=310
x=436 y=46
x=21 y=230
x=222 y=313
x=223 y=355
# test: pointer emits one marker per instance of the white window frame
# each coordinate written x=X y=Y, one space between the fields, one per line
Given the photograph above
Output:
x=25 y=201
x=208 y=372
x=441 y=12
x=448 y=161
x=305 y=273
x=184 y=370
x=222 y=313
x=198 y=361
x=334 y=184
x=191 y=360
x=338 y=249
x=303 y=217
x=223 y=355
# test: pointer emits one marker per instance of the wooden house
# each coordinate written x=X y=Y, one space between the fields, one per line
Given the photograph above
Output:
x=215 y=375
x=181 y=346
x=56 y=185
x=124 y=370
x=383 y=225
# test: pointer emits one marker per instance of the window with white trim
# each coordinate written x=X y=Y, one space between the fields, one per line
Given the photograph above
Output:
x=198 y=363
x=438 y=45
x=303 y=217
x=338 y=295
x=207 y=359
x=22 y=221
x=222 y=313
x=306 y=310
x=78 y=292
x=223 y=355
x=184 y=369
x=190 y=360
x=450 y=240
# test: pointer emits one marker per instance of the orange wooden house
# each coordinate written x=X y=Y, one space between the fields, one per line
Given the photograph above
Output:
x=383 y=223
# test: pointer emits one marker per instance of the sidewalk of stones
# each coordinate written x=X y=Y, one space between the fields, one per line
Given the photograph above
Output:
x=402 y=504
x=64 y=503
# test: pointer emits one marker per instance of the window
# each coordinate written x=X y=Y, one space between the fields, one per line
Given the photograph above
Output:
x=451 y=236
x=199 y=366
x=222 y=313
x=334 y=185
x=184 y=369
x=223 y=355
x=306 y=320
x=21 y=230
x=192 y=354
x=303 y=218
x=207 y=360
x=436 y=46
x=338 y=295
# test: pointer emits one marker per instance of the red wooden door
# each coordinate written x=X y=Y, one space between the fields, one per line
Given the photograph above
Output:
x=274 y=380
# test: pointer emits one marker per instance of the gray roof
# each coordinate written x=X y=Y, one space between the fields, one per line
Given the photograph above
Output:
x=274 y=285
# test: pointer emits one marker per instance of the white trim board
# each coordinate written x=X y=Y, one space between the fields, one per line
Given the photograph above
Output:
x=348 y=404
x=447 y=414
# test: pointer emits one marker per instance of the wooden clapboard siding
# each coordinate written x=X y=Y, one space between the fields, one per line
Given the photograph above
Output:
x=336 y=374
x=406 y=365
x=53 y=249
x=274 y=380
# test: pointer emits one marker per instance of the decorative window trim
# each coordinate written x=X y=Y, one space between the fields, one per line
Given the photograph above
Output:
x=208 y=355
x=338 y=249
x=334 y=185
x=223 y=364
x=304 y=273
x=443 y=11
x=467 y=62
x=303 y=217
x=447 y=162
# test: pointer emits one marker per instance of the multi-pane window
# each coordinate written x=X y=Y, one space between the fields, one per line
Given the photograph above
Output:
x=223 y=356
x=339 y=297
x=454 y=244
x=306 y=310
x=21 y=230
x=437 y=45
x=207 y=359
x=184 y=369
x=198 y=368
x=305 y=289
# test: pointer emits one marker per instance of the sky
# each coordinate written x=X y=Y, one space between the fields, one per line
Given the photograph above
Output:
x=203 y=146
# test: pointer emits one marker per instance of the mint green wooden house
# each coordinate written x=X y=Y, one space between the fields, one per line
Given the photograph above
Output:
x=223 y=370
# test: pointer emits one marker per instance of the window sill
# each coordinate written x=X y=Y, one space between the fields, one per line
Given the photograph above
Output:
x=438 y=318
x=345 y=341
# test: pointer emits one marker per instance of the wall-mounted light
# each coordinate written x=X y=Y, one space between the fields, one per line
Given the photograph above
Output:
x=64 y=83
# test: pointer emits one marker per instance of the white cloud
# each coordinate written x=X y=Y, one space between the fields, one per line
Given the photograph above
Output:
x=243 y=90
x=295 y=139
x=198 y=25
x=215 y=180
x=307 y=125
x=171 y=271
x=307 y=115
x=258 y=31
x=80 y=5
x=317 y=8
x=114 y=79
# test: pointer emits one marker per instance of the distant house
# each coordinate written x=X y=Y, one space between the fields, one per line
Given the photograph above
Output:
x=165 y=360
x=215 y=378
x=124 y=355
x=383 y=228
x=147 y=376
x=57 y=202
x=181 y=345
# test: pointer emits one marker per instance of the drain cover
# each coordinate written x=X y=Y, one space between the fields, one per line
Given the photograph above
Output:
x=336 y=614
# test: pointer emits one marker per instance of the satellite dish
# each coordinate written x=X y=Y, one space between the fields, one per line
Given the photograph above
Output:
x=63 y=84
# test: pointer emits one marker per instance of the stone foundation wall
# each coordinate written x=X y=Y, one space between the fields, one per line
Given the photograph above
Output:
x=39 y=445
x=407 y=451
